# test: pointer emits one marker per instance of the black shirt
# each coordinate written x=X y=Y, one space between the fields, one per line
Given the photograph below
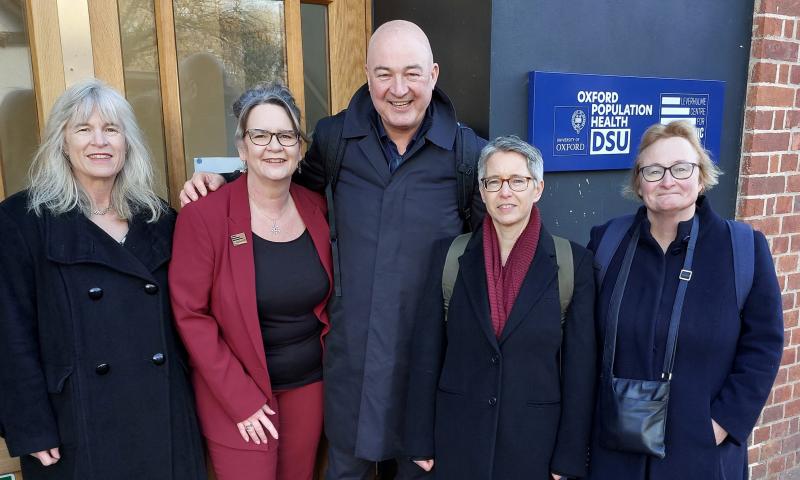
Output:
x=290 y=282
x=390 y=151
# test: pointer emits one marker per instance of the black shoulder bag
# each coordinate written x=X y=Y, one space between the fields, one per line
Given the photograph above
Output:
x=633 y=413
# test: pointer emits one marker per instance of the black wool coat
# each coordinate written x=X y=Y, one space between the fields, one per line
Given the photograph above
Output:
x=387 y=224
x=725 y=363
x=89 y=360
x=517 y=407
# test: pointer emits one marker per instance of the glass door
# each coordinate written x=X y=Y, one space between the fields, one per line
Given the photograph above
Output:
x=181 y=64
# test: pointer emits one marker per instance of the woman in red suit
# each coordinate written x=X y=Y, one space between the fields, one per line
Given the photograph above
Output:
x=249 y=278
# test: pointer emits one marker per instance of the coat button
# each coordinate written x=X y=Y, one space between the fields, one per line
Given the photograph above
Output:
x=159 y=359
x=95 y=293
x=492 y=401
x=495 y=358
x=151 y=289
x=102 y=368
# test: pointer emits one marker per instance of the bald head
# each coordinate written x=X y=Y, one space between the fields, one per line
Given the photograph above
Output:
x=401 y=76
x=399 y=32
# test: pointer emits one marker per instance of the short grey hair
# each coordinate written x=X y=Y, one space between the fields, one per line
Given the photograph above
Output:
x=274 y=94
x=53 y=185
x=512 y=143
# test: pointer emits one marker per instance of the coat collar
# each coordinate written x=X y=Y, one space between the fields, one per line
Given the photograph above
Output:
x=541 y=274
x=709 y=220
x=71 y=238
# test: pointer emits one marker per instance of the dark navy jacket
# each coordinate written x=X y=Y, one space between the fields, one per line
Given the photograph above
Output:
x=517 y=407
x=725 y=365
x=387 y=225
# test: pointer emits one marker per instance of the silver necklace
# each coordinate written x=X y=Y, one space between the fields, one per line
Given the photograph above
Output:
x=275 y=229
x=101 y=211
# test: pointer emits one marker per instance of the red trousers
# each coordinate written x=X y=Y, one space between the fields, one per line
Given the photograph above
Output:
x=300 y=419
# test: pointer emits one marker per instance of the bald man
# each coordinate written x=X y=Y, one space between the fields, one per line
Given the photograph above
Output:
x=396 y=194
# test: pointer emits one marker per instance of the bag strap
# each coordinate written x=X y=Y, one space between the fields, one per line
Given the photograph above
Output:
x=334 y=153
x=450 y=271
x=566 y=274
x=466 y=150
x=677 y=307
x=612 y=319
x=609 y=243
x=610 y=344
x=744 y=259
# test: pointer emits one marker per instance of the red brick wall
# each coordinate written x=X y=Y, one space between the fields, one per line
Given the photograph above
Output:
x=769 y=198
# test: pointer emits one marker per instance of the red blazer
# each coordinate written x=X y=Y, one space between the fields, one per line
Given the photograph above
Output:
x=212 y=286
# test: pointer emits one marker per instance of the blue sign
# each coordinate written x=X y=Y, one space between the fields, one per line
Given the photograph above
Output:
x=595 y=122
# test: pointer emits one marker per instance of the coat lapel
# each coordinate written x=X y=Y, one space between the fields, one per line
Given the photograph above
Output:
x=242 y=263
x=358 y=126
x=151 y=243
x=473 y=272
x=71 y=238
x=371 y=149
x=541 y=274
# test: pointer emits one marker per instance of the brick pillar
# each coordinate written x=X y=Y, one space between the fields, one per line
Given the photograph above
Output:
x=769 y=199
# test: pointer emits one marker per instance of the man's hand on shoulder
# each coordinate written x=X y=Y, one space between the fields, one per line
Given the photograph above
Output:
x=199 y=185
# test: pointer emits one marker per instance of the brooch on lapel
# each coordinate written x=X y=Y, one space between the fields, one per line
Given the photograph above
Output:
x=238 y=239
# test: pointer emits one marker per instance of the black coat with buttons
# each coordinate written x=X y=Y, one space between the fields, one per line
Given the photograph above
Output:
x=89 y=360
x=515 y=407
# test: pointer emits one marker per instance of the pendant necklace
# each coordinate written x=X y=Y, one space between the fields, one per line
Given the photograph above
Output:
x=275 y=229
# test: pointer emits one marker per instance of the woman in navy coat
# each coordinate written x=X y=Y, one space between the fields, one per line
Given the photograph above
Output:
x=726 y=362
x=93 y=375
x=503 y=389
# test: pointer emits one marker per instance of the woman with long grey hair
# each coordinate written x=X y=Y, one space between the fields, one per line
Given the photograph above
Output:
x=93 y=376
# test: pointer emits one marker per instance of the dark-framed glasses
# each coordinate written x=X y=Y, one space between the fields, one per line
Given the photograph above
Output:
x=679 y=171
x=517 y=183
x=262 y=137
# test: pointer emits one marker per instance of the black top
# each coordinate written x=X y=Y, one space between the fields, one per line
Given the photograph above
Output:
x=290 y=282
x=390 y=150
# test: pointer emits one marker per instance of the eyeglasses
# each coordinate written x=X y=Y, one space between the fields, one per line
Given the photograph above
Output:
x=262 y=137
x=679 y=171
x=516 y=183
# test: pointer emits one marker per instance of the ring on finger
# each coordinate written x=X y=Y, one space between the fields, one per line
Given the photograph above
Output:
x=248 y=427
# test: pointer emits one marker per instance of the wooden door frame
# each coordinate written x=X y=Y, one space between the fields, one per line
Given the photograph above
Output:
x=349 y=29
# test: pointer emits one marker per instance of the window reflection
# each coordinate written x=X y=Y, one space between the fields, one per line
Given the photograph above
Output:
x=18 y=122
x=224 y=47
x=315 y=62
x=142 y=87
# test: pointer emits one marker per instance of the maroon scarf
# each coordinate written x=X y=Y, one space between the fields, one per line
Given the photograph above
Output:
x=504 y=282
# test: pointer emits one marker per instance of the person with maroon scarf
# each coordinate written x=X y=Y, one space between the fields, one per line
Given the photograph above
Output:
x=503 y=389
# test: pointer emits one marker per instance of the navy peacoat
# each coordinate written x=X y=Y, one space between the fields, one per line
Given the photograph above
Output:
x=387 y=224
x=89 y=360
x=517 y=407
x=725 y=363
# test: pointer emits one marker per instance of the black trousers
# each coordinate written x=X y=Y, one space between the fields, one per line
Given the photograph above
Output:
x=343 y=465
